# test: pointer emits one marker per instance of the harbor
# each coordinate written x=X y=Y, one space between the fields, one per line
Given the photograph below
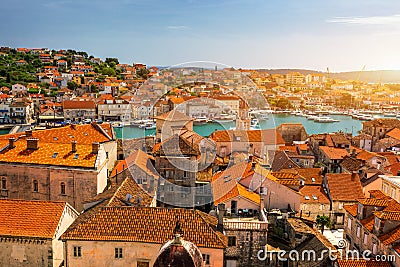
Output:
x=344 y=123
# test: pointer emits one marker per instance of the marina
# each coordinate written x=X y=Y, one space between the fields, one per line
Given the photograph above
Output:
x=343 y=123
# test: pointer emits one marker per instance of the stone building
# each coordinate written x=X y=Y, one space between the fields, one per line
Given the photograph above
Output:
x=126 y=236
x=246 y=237
x=292 y=132
x=65 y=164
x=75 y=110
x=30 y=231
x=342 y=189
x=373 y=224
x=178 y=160
x=171 y=123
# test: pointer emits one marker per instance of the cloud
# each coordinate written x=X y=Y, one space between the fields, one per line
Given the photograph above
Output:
x=177 y=27
x=372 y=20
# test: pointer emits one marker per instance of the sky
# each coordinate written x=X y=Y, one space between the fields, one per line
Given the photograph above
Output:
x=312 y=34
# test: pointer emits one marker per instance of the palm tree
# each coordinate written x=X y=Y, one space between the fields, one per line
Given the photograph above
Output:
x=323 y=221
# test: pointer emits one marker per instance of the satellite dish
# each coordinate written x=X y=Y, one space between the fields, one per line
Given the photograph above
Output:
x=128 y=197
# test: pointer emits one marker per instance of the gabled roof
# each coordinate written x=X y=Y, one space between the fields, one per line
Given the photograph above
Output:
x=138 y=158
x=37 y=219
x=282 y=161
x=395 y=133
x=82 y=134
x=225 y=185
x=148 y=225
x=116 y=195
x=333 y=152
x=313 y=194
x=352 y=209
x=344 y=186
x=268 y=136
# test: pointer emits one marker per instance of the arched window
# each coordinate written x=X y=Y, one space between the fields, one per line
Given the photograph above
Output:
x=62 y=188
x=35 y=186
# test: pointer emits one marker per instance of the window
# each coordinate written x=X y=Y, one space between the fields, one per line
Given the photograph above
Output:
x=358 y=231
x=62 y=188
x=232 y=241
x=340 y=205
x=3 y=183
x=77 y=251
x=365 y=238
x=231 y=263
x=118 y=253
x=206 y=259
x=35 y=186
x=374 y=249
x=143 y=264
x=349 y=224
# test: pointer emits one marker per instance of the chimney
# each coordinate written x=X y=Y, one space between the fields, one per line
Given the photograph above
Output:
x=95 y=147
x=73 y=146
x=262 y=205
x=221 y=213
x=28 y=133
x=354 y=176
x=32 y=143
x=11 y=142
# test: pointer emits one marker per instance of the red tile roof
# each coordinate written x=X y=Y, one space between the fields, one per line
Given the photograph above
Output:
x=334 y=153
x=395 y=133
x=82 y=134
x=148 y=225
x=343 y=188
x=352 y=209
x=368 y=223
x=390 y=237
x=73 y=104
x=268 y=136
x=24 y=218
x=316 y=194
x=225 y=184
x=138 y=158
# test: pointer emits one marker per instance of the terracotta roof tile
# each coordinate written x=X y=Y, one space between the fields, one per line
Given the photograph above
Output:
x=352 y=209
x=395 y=133
x=82 y=134
x=148 y=225
x=268 y=136
x=48 y=154
x=343 y=188
x=390 y=237
x=334 y=153
x=368 y=223
x=316 y=194
x=138 y=158
x=225 y=184
x=73 y=104
x=30 y=218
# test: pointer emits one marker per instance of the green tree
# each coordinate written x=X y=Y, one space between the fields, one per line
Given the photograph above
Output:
x=323 y=221
x=112 y=59
x=108 y=71
x=72 y=85
x=142 y=73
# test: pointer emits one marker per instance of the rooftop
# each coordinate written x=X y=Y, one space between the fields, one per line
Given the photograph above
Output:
x=38 y=219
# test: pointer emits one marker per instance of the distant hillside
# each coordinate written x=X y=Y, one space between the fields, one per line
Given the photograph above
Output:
x=387 y=76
